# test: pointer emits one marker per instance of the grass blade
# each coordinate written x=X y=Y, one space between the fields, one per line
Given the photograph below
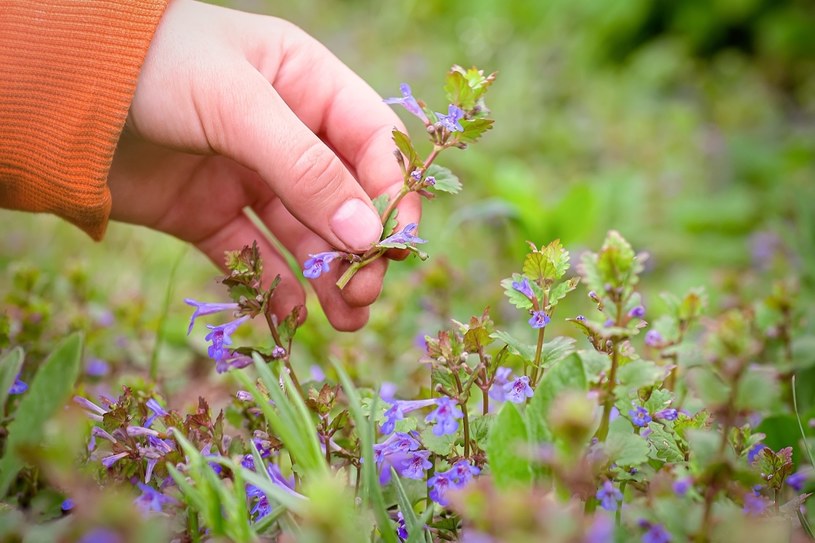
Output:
x=10 y=365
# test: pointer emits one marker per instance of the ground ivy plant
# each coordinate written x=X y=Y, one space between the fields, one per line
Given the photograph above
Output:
x=638 y=426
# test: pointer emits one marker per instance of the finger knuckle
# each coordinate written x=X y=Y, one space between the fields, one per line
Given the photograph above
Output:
x=317 y=174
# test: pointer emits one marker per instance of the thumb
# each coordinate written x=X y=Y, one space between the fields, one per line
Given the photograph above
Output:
x=259 y=130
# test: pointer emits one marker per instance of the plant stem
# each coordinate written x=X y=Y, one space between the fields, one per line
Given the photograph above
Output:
x=356 y=266
x=466 y=419
x=602 y=431
x=538 y=352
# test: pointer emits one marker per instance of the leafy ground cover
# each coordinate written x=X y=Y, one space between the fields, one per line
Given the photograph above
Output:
x=644 y=370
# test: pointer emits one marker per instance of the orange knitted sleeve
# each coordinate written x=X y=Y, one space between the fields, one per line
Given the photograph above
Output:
x=68 y=71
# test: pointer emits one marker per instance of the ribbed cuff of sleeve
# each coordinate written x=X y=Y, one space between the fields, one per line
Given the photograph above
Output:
x=68 y=71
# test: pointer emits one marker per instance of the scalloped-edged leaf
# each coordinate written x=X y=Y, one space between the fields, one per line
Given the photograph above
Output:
x=404 y=144
x=381 y=203
x=559 y=291
x=623 y=446
x=516 y=346
x=464 y=87
x=474 y=129
x=446 y=181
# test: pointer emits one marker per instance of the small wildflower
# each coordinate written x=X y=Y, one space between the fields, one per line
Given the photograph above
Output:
x=387 y=391
x=609 y=496
x=401 y=527
x=108 y=461
x=415 y=465
x=408 y=102
x=796 y=481
x=66 y=505
x=639 y=416
x=524 y=287
x=404 y=236
x=637 y=312
x=462 y=473
x=580 y=318
x=518 y=390
x=539 y=319
x=502 y=378
x=445 y=416
x=600 y=531
x=244 y=396
x=96 y=367
x=220 y=336
x=681 y=486
x=205 y=308
x=655 y=533
x=18 y=387
x=666 y=414
x=157 y=410
x=754 y=504
x=754 y=451
x=151 y=500
x=279 y=352
x=101 y=535
x=440 y=484
x=318 y=264
x=430 y=181
x=316 y=373
x=653 y=338
x=451 y=120
x=397 y=412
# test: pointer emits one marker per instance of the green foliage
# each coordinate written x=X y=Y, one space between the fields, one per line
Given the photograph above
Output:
x=466 y=87
x=47 y=393
x=508 y=448
x=446 y=181
x=10 y=365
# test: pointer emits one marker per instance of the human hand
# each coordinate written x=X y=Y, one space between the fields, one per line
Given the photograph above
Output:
x=236 y=110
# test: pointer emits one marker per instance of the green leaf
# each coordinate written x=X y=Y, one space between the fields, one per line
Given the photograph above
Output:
x=548 y=264
x=440 y=445
x=556 y=350
x=559 y=291
x=10 y=365
x=711 y=389
x=625 y=447
x=664 y=443
x=415 y=527
x=507 y=448
x=516 y=346
x=515 y=298
x=381 y=203
x=446 y=181
x=465 y=87
x=638 y=374
x=48 y=391
x=757 y=390
x=402 y=141
x=474 y=129
x=566 y=374
x=704 y=445
x=616 y=265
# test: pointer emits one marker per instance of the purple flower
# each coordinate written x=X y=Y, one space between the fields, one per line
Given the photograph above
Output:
x=796 y=481
x=609 y=496
x=395 y=451
x=440 y=484
x=637 y=312
x=205 y=308
x=18 y=387
x=445 y=416
x=462 y=473
x=518 y=390
x=524 y=287
x=387 y=391
x=666 y=414
x=653 y=338
x=318 y=264
x=754 y=451
x=66 y=505
x=233 y=361
x=401 y=528
x=397 y=412
x=157 y=410
x=316 y=373
x=96 y=367
x=681 y=486
x=451 y=120
x=639 y=416
x=415 y=465
x=754 y=504
x=654 y=533
x=220 y=336
x=108 y=461
x=244 y=396
x=502 y=377
x=151 y=499
x=539 y=319
x=101 y=535
x=403 y=237
x=600 y=531
x=408 y=102
x=279 y=352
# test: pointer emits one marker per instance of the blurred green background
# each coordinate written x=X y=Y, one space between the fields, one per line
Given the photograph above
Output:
x=687 y=126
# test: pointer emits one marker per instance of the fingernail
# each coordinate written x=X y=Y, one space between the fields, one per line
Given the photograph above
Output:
x=357 y=225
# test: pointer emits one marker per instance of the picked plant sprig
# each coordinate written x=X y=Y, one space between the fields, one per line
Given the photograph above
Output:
x=464 y=123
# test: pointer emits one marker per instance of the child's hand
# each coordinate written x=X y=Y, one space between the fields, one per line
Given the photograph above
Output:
x=225 y=116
